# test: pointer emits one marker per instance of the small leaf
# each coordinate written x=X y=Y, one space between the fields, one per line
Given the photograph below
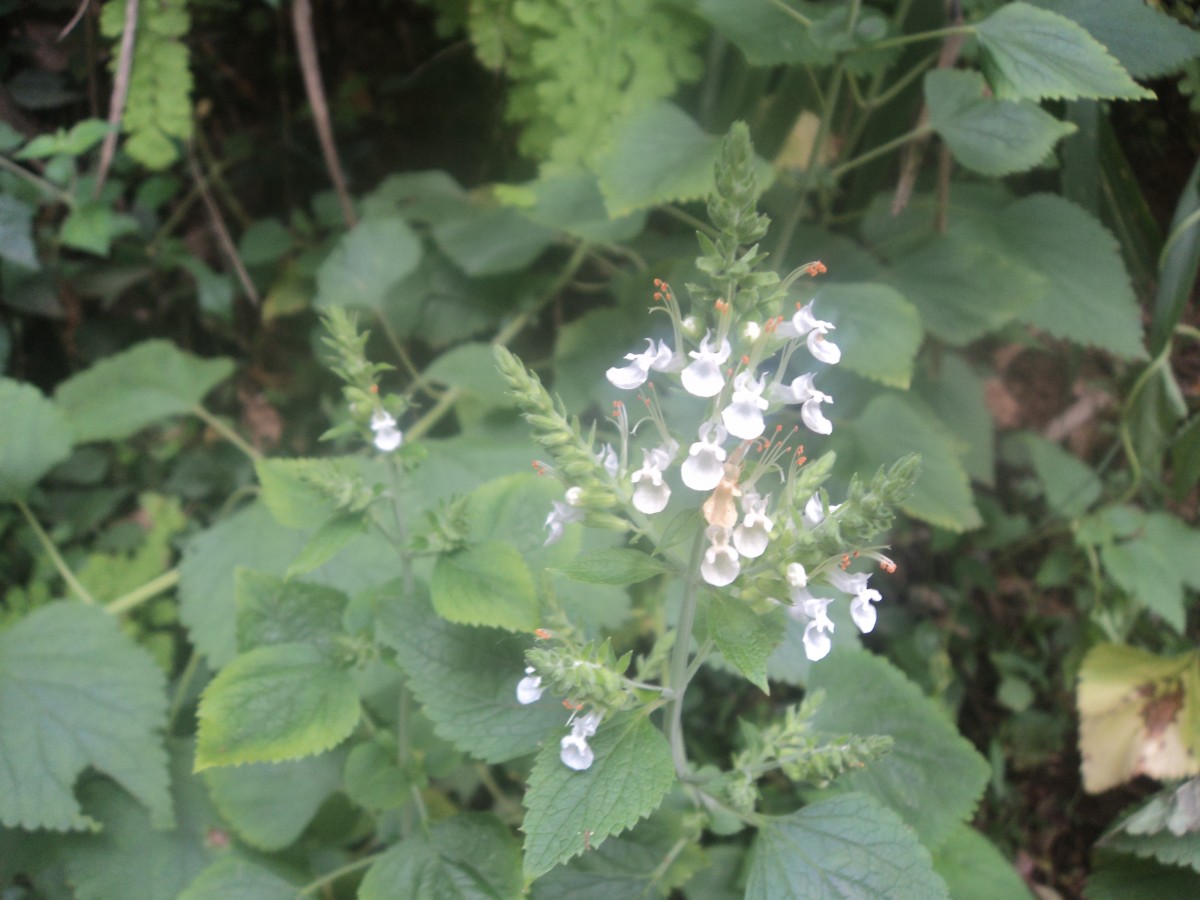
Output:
x=485 y=584
x=1071 y=486
x=569 y=810
x=275 y=703
x=72 y=681
x=744 y=638
x=120 y=395
x=233 y=877
x=1155 y=564
x=92 y=225
x=471 y=856
x=35 y=438
x=373 y=779
x=366 y=263
x=1031 y=53
x=616 y=565
x=993 y=137
x=847 y=847
x=271 y=610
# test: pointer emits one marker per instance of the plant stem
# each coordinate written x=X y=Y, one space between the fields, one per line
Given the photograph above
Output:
x=313 y=886
x=679 y=655
x=55 y=557
x=881 y=149
x=901 y=40
x=37 y=181
x=185 y=679
x=147 y=591
x=226 y=432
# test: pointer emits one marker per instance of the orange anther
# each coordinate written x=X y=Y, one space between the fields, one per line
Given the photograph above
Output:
x=543 y=634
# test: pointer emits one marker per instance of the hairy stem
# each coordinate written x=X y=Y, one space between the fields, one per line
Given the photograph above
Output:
x=679 y=655
x=55 y=557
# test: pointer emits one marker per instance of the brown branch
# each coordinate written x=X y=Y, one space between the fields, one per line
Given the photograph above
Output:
x=218 y=223
x=116 y=106
x=306 y=45
x=75 y=19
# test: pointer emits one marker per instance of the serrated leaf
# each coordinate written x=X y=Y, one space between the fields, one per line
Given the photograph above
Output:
x=270 y=804
x=1171 y=849
x=492 y=241
x=1071 y=486
x=35 y=438
x=1119 y=877
x=133 y=856
x=485 y=584
x=76 y=692
x=471 y=367
x=745 y=638
x=1155 y=564
x=992 y=137
x=93 y=225
x=878 y=331
x=466 y=680
x=271 y=610
x=894 y=425
x=867 y=695
x=374 y=780
x=233 y=877
x=629 y=777
x=366 y=263
x=1031 y=53
x=289 y=492
x=848 y=847
x=326 y=542
x=615 y=565
x=273 y=704
x=972 y=867
x=471 y=856
x=121 y=394
x=572 y=202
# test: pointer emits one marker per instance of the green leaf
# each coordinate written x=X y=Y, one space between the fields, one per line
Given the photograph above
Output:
x=492 y=241
x=135 y=856
x=1031 y=53
x=878 y=331
x=273 y=611
x=568 y=810
x=1146 y=41
x=1071 y=485
x=83 y=135
x=289 y=488
x=766 y=34
x=847 y=847
x=894 y=425
x=366 y=263
x=571 y=202
x=325 y=543
x=485 y=584
x=76 y=692
x=471 y=367
x=1119 y=877
x=373 y=779
x=972 y=867
x=659 y=155
x=466 y=680
x=956 y=394
x=615 y=565
x=471 y=856
x=265 y=241
x=233 y=877
x=273 y=704
x=867 y=695
x=965 y=286
x=993 y=137
x=1155 y=564
x=92 y=225
x=270 y=804
x=16 y=233
x=122 y=394
x=744 y=638
x=35 y=438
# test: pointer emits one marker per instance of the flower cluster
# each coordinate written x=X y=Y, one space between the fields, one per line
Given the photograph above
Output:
x=574 y=750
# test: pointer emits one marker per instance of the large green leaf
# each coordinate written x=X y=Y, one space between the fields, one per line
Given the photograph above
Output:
x=570 y=810
x=867 y=695
x=471 y=368
x=35 y=438
x=878 y=330
x=122 y=394
x=993 y=137
x=894 y=425
x=485 y=584
x=233 y=877
x=275 y=703
x=1031 y=53
x=492 y=241
x=847 y=847
x=973 y=867
x=571 y=202
x=273 y=611
x=956 y=394
x=76 y=692
x=367 y=262
x=471 y=856
x=766 y=33
x=615 y=565
x=466 y=680
x=270 y=804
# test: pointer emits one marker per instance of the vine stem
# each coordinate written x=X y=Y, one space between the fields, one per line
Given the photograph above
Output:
x=328 y=878
x=147 y=591
x=226 y=432
x=679 y=655
x=52 y=551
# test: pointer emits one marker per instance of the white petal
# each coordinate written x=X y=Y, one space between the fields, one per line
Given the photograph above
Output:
x=388 y=439
x=585 y=726
x=751 y=542
x=862 y=610
x=575 y=753
x=629 y=377
x=824 y=350
x=705 y=466
x=797 y=576
x=651 y=498
x=702 y=378
x=817 y=642
x=529 y=689
x=814 y=419
x=720 y=565
x=743 y=420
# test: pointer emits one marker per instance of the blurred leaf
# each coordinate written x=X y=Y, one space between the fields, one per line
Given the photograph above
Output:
x=366 y=263
x=572 y=203
x=233 y=877
x=847 y=847
x=1071 y=486
x=92 y=226
x=471 y=367
x=1178 y=263
x=83 y=135
x=35 y=438
x=1119 y=877
x=616 y=565
x=1165 y=828
x=16 y=232
x=745 y=638
x=972 y=867
x=265 y=241
x=273 y=611
x=992 y=137
x=955 y=393
x=485 y=584
x=767 y=34
x=1155 y=563
x=121 y=394
x=879 y=331
x=374 y=780
x=491 y=241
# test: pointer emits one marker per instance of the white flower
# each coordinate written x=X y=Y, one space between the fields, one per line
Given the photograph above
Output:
x=705 y=466
x=861 y=609
x=797 y=577
x=751 y=331
x=802 y=391
x=562 y=514
x=752 y=535
x=529 y=688
x=720 y=565
x=575 y=752
x=585 y=726
x=607 y=457
x=635 y=374
x=814 y=329
x=703 y=377
x=817 y=640
x=814 y=511
x=651 y=492
x=743 y=417
x=387 y=436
